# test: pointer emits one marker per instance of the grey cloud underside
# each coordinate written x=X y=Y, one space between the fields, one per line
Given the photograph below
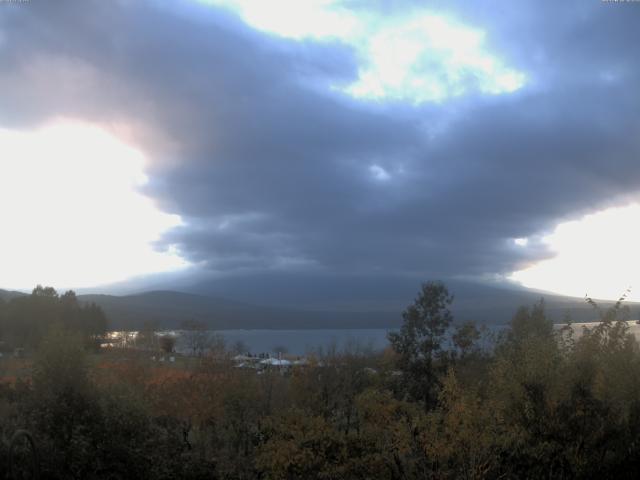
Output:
x=269 y=167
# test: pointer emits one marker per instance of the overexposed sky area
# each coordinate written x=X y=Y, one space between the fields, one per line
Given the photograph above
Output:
x=71 y=213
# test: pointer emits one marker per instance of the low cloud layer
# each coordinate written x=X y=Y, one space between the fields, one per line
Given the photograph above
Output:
x=274 y=168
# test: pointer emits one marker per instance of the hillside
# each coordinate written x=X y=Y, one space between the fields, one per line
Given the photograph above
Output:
x=482 y=304
x=170 y=308
x=9 y=294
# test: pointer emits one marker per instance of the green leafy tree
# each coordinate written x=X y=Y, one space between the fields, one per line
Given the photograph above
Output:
x=63 y=401
x=465 y=338
x=419 y=341
x=530 y=323
x=28 y=318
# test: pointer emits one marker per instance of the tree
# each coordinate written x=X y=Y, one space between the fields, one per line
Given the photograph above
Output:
x=239 y=347
x=461 y=437
x=95 y=323
x=44 y=292
x=167 y=343
x=3 y=312
x=418 y=343
x=217 y=345
x=465 y=337
x=196 y=337
x=147 y=337
x=63 y=401
x=28 y=318
x=529 y=323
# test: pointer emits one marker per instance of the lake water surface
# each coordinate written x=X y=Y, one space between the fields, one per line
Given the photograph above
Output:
x=301 y=342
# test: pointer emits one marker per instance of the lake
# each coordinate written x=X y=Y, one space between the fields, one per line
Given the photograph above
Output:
x=301 y=342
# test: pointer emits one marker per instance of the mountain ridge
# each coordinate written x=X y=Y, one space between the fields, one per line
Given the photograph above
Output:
x=169 y=308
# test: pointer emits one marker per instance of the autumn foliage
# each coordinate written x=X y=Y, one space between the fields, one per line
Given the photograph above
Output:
x=541 y=402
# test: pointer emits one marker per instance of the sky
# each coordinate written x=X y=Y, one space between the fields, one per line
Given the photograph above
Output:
x=320 y=139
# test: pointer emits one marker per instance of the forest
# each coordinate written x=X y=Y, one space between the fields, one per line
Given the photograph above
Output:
x=540 y=402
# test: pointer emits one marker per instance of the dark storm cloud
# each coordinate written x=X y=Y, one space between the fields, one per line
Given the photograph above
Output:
x=271 y=169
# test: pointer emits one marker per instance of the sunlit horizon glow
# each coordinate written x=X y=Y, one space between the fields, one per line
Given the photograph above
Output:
x=596 y=256
x=420 y=57
x=71 y=213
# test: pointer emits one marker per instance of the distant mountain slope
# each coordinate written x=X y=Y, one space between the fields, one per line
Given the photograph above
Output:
x=497 y=306
x=376 y=293
x=9 y=294
x=483 y=304
x=170 y=308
